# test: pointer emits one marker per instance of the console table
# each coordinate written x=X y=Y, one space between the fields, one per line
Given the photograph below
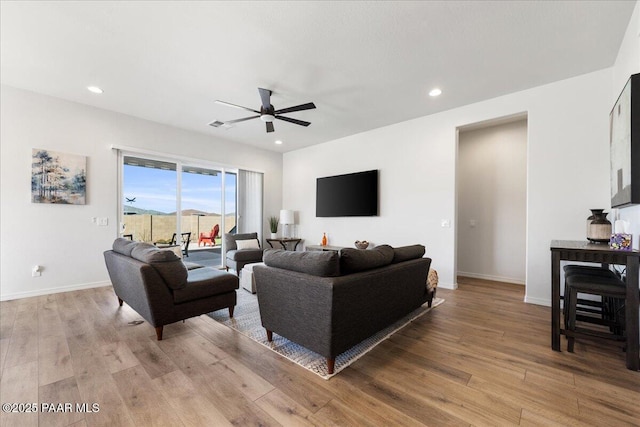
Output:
x=283 y=242
x=569 y=250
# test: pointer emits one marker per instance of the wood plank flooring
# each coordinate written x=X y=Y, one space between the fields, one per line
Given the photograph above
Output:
x=482 y=358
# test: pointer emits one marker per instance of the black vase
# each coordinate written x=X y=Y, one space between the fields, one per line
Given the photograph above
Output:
x=598 y=227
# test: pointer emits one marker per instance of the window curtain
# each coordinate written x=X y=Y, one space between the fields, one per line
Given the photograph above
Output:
x=250 y=202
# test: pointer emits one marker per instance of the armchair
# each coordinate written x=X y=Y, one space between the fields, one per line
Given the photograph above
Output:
x=238 y=258
x=210 y=237
x=157 y=285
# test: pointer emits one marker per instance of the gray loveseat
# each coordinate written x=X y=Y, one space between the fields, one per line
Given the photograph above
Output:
x=157 y=285
x=329 y=302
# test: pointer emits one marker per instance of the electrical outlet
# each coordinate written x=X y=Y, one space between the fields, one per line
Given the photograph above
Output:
x=36 y=271
x=445 y=223
x=473 y=222
x=103 y=222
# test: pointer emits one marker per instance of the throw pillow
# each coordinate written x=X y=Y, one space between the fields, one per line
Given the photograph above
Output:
x=316 y=263
x=123 y=246
x=354 y=260
x=248 y=244
x=405 y=253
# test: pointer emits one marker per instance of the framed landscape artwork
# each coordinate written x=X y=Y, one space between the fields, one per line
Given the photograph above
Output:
x=58 y=177
x=624 y=132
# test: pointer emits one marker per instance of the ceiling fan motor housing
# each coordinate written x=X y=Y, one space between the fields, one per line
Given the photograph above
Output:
x=267 y=115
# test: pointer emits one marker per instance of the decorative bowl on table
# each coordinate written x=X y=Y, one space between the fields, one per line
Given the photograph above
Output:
x=362 y=244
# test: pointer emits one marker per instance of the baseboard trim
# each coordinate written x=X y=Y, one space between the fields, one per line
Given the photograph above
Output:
x=452 y=286
x=493 y=278
x=537 y=301
x=40 y=292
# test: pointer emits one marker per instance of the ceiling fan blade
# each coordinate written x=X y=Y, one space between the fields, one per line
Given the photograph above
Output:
x=270 y=127
x=265 y=96
x=228 y=104
x=296 y=121
x=241 y=120
x=307 y=106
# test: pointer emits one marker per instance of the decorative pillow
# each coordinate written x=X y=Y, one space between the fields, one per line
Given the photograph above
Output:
x=165 y=262
x=123 y=246
x=316 y=263
x=248 y=244
x=354 y=260
x=432 y=279
x=406 y=253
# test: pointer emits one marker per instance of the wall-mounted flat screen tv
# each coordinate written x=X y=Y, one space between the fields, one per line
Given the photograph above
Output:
x=354 y=194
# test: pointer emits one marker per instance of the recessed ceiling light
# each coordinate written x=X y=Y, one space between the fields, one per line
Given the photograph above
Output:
x=94 y=89
x=435 y=92
x=278 y=142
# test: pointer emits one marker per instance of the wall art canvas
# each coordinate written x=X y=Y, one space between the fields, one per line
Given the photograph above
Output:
x=58 y=177
x=624 y=122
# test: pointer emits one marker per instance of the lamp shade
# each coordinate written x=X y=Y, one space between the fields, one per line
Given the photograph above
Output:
x=286 y=217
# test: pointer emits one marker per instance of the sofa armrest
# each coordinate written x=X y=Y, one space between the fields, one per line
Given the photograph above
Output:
x=296 y=305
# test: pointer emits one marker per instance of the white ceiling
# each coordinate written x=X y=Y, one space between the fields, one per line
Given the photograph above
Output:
x=365 y=64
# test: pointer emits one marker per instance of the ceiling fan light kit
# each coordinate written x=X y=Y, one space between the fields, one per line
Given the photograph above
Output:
x=267 y=112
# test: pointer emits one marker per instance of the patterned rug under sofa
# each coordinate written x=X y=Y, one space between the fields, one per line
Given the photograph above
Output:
x=246 y=320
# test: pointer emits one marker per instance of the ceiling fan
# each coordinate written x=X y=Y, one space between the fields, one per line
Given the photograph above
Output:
x=267 y=112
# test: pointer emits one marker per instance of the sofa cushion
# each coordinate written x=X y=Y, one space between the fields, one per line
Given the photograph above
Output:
x=315 y=263
x=245 y=255
x=247 y=244
x=123 y=246
x=354 y=260
x=205 y=282
x=230 y=239
x=165 y=262
x=405 y=253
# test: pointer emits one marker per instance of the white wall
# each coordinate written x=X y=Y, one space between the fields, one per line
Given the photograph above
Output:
x=567 y=171
x=64 y=241
x=492 y=205
x=628 y=63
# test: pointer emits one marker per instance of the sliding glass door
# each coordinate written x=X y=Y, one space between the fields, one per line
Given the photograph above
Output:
x=149 y=200
x=176 y=204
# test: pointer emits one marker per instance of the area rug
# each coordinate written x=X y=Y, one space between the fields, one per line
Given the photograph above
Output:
x=246 y=320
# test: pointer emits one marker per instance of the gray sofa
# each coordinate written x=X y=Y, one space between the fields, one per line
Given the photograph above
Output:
x=157 y=284
x=329 y=302
x=238 y=258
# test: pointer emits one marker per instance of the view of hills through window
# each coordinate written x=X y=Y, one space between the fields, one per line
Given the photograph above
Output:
x=150 y=187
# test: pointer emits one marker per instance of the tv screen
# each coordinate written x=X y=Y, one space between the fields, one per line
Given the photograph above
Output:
x=354 y=194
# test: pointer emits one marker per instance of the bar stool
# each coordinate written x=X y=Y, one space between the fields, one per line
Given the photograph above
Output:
x=606 y=287
x=584 y=307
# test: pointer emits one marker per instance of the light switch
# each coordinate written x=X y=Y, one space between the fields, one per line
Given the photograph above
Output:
x=445 y=223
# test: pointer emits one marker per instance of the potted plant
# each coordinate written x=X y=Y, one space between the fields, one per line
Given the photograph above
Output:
x=273 y=226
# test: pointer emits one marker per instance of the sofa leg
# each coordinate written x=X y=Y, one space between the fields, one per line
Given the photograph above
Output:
x=432 y=295
x=159 y=332
x=227 y=269
x=269 y=335
x=120 y=301
x=231 y=310
x=331 y=362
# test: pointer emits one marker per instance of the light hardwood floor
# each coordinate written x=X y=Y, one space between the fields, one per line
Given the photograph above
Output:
x=481 y=358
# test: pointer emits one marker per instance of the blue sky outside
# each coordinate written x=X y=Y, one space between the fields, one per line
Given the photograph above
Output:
x=155 y=189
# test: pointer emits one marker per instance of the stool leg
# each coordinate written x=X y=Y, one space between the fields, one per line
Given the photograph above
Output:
x=573 y=298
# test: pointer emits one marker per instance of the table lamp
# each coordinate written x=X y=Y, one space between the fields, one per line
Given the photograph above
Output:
x=286 y=218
